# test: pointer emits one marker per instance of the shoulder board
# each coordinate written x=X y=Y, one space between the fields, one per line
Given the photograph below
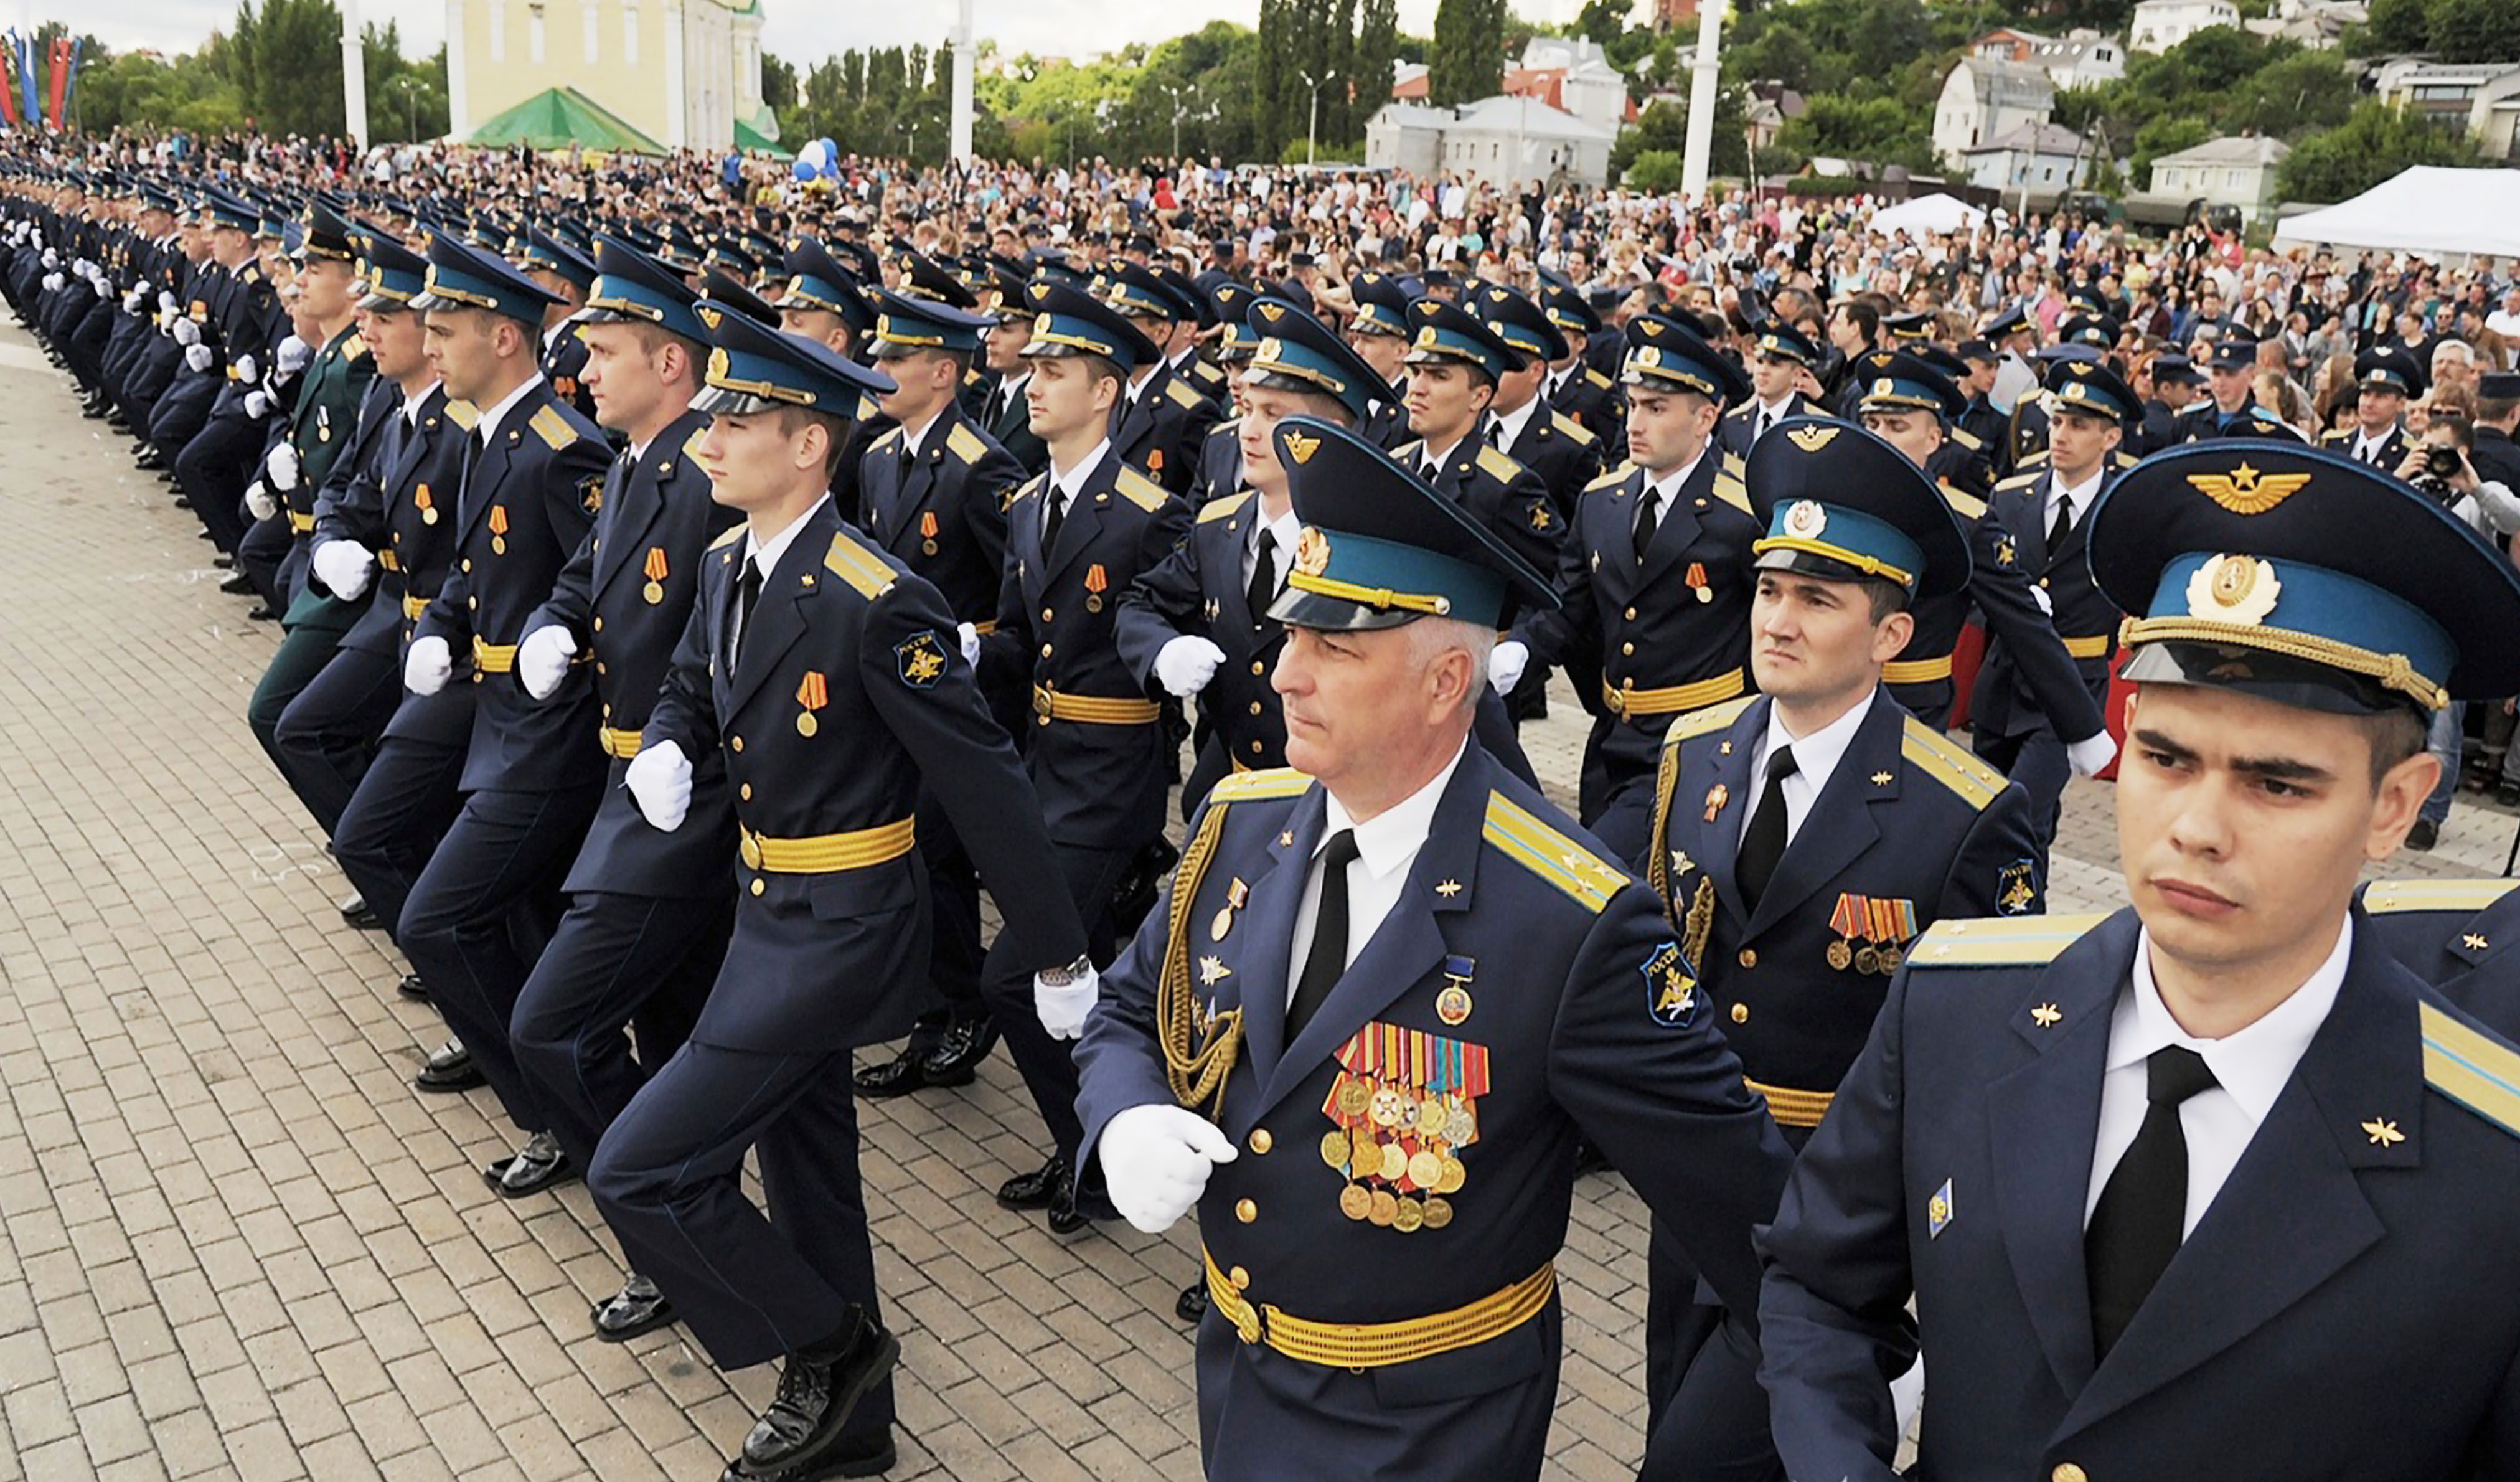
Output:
x=1742 y=411
x=1582 y=876
x=463 y=414
x=1706 y=722
x=1183 y=393
x=2471 y=1065
x=2124 y=460
x=1999 y=941
x=867 y=410
x=1228 y=426
x=552 y=428
x=692 y=444
x=1733 y=465
x=354 y=348
x=2016 y=482
x=252 y=273
x=1029 y=486
x=1970 y=779
x=859 y=566
x=2332 y=437
x=888 y=438
x=1612 y=478
x=1140 y=490
x=729 y=536
x=2031 y=460
x=1966 y=438
x=2396 y=897
x=1497 y=464
x=1409 y=449
x=1730 y=488
x=966 y=444
x=1596 y=378
x=1967 y=505
x=972 y=377
x=1267 y=782
x=1218 y=508
x=1570 y=428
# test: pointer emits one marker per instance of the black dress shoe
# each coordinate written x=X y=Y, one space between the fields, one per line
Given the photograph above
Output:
x=1080 y=1203
x=954 y=1059
x=2507 y=795
x=150 y=459
x=2424 y=835
x=867 y=1455
x=411 y=987
x=1035 y=1189
x=451 y=1068
x=637 y=1308
x=1192 y=1305
x=530 y=1169
x=264 y=612
x=898 y=1076
x=224 y=561
x=237 y=584
x=359 y=913
x=819 y=1390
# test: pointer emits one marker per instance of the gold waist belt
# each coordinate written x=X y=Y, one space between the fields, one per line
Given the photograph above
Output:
x=1373 y=1345
x=300 y=525
x=620 y=744
x=494 y=658
x=1671 y=699
x=1791 y=1107
x=1093 y=709
x=826 y=853
x=1917 y=671
x=2094 y=647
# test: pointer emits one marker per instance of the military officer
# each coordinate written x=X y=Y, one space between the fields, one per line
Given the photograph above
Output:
x=1378 y=332
x=1781 y=360
x=1802 y=838
x=826 y=678
x=560 y=268
x=2384 y=378
x=1164 y=418
x=1519 y=420
x=2453 y=934
x=1654 y=583
x=232 y=301
x=2081 y=337
x=822 y=300
x=1004 y=416
x=1980 y=419
x=2212 y=1177
x=2174 y=385
x=2232 y=409
x=1220 y=457
x=530 y=779
x=1317 y=987
x=2015 y=336
x=1456 y=363
x=1582 y=391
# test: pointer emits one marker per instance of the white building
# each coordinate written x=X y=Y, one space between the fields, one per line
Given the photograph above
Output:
x=2160 y=25
x=1506 y=140
x=1984 y=99
x=1589 y=87
x=2236 y=170
x=2317 y=24
x=2080 y=57
x=2042 y=158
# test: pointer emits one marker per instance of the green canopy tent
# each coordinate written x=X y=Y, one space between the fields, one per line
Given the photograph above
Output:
x=562 y=117
x=760 y=135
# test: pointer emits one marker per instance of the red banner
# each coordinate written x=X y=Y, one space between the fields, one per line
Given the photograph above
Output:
x=61 y=77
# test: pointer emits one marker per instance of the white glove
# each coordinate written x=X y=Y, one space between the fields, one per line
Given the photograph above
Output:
x=1184 y=665
x=293 y=355
x=257 y=403
x=166 y=303
x=260 y=502
x=1505 y=664
x=136 y=299
x=248 y=369
x=427 y=666
x=1062 y=1006
x=279 y=465
x=343 y=566
x=970 y=637
x=52 y=282
x=103 y=284
x=2092 y=753
x=2040 y=595
x=1157 y=1160
x=542 y=659
x=188 y=335
x=52 y=259
x=660 y=780
x=196 y=355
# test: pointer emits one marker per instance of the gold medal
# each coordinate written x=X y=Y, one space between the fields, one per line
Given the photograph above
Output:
x=1451 y=1176
x=806 y=725
x=1223 y=924
x=1453 y=1004
x=1424 y=1168
x=1355 y=1203
x=1395 y=1163
x=1439 y=1214
x=654 y=592
x=1408 y=1216
x=1432 y=1117
x=1335 y=1146
x=498 y=544
x=1891 y=958
x=927 y=548
x=1840 y=956
x=1705 y=594
x=1385 y=1106
x=1352 y=1099
x=1464 y=1127
x=1386 y=1207
x=429 y=516
x=1867 y=959
x=1093 y=603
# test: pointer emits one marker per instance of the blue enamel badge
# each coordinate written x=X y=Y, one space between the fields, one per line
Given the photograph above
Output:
x=1671 y=991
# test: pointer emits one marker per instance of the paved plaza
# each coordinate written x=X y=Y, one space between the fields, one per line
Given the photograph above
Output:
x=234 y=1242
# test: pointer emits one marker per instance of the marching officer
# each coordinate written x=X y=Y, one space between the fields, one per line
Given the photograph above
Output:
x=1803 y=837
x=2384 y=378
x=2213 y=1176
x=1378 y=332
x=561 y=269
x=1519 y=420
x=1581 y=391
x=1004 y=415
x=1417 y=972
x=1220 y=457
x=2232 y=409
x=1456 y=363
x=1162 y=419
x=2174 y=386
x=1782 y=360
x=828 y=681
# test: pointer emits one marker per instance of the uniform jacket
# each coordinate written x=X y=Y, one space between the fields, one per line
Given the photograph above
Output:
x=328 y=417
x=365 y=447
x=1554 y=973
x=1199 y=589
x=2348 y=1306
x=943 y=513
x=1563 y=453
x=1508 y=498
x=404 y=510
x=563 y=364
x=1737 y=431
x=2203 y=422
x=2001 y=594
x=2455 y=934
x=1220 y=464
x=2085 y=620
x=1159 y=432
x=1592 y=399
x=1909 y=820
x=2393 y=448
x=1014 y=433
x=850 y=695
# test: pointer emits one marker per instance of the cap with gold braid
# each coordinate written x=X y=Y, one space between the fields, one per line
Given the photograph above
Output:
x=2304 y=577
x=1069 y=321
x=1665 y=355
x=461 y=277
x=1843 y=504
x=1297 y=352
x=755 y=368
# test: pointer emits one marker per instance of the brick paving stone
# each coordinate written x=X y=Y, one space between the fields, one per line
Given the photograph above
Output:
x=234 y=1245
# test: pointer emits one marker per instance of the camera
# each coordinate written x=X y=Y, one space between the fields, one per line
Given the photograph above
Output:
x=2441 y=462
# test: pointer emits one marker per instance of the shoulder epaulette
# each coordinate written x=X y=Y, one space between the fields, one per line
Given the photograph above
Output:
x=1267 y=782
x=354 y=348
x=692 y=444
x=972 y=377
x=552 y=428
x=1999 y=941
x=1967 y=505
x=1734 y=465
x=1966 y=438
x=867 y=410
x=1221 y=507
x=966 y=444
x=1573 y=870
x=1229 y=425
x=2016 y=482
x=2031 y=460
x=1183 y=395
x=1730 y=488
x=729 y=536
x=1611 y=477
x=1569 y=426
x=2393 y=897
x=1742 y=411
x=1029 y=486
x=2332 y=436
x=1140 y=490
x=1497 y=464
x=2471 y=1065
x=1593 y=374
x=1408 y=449
x=888 y=438
x=859 y=566
x=463 y=414
x=1711 y=718
x=1970 y=779
x=2124 y=460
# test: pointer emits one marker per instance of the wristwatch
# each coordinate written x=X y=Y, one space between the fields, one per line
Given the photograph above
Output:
x=1061 y=978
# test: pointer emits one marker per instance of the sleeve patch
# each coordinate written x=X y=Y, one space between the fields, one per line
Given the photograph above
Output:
x=921 y=659
x=1671 y=989
x=2017 y=887
x=590 y=493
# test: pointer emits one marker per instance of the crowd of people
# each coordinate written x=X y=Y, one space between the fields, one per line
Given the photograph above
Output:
x=697 y=586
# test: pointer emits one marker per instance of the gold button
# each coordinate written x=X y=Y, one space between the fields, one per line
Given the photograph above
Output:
x=757 y=886
x=736 y=743
x=599 y=668
x=1740 y=1013
x=1749 y=959
x=479 y=676
x=1241 y=1278
x=607 y=712
x=1246 y=1211
x=1627 y=650
x=2067 y=1471
x=467 y=562
x=1044 y=650
x=599 y=625
x=474 y=602
x=744 y=793
x=1255 y=707
x=1632 y=615
x=1257 y=667
x=1045 y=614
x=1261 y=1140
x=1255 y=749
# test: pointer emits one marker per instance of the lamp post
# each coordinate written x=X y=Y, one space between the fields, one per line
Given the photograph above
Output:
x=1311 y=109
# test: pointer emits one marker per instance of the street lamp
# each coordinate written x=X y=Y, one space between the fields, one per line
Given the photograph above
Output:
x=1312 y=108
x=1176 y=92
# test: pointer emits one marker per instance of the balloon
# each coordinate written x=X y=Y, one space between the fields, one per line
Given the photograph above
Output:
x=830 y=158
x=809 y=160
x=803 y=170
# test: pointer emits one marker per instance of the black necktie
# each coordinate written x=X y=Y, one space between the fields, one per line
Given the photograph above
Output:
x=2139 y=1223
x=1327 y=962
x=1264 y=575
x=1648 y=520
x=1766 y=420
x=747 y=593
x=1495 y=432
x=1433 y=471
x=1765 y=843
x=1053 y=517
x=2061 y=527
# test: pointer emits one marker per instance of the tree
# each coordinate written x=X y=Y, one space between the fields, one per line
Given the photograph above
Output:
x=406 y=101
x=2375 y=143
x=1468 y=61
x=2166 y=135
x=2474 y=30
x=289 y=65
x=1377 y=55
x=2394 y=26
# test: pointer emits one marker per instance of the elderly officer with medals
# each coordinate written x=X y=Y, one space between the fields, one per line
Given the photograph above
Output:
x=826 y=678
x=1365 y=1029
x=2212 y=1184
x=1803 y=837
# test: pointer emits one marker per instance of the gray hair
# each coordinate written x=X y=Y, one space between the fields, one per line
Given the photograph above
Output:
x=1431 y=638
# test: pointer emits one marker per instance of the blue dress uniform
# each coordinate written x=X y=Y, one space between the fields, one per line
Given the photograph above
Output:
x=2348 y=1304
x=1382 y=311
x=1584 y=393
x=2206 y=421
x=2160 y=427
x=232 y=311
x=1561 y=450
x=1661 y=634
x=2014 y=734
x=1393 y=1313
x=1161 y=422
x=2391 y=372
x=647 y=912
x=845 y=696
x=564 y=354
x=2081 y=337
x=531 y=779
x=1773 y=340
x=1905 y=829
x=2455 y=934
x=1097 y=748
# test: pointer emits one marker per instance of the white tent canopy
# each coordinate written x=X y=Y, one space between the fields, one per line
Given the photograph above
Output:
x=1928 y=214
x=2425 y=209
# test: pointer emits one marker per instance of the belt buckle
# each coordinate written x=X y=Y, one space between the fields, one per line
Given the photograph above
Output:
x=1042 y=700
x=749 y=847
x=1618 y=702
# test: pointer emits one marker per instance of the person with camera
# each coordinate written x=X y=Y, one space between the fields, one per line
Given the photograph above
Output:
x=2441 y=468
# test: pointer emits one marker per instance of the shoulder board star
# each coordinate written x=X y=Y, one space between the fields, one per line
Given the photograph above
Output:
x=2472 y=942
x=1881 y=779
x=1449 y=888
x=2384 y=1132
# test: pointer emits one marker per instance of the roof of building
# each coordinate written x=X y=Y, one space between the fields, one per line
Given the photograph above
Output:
x=2020 y=84
x=2033 y=139
x=2231 y=149
x=1527 y=116
x=562 y=117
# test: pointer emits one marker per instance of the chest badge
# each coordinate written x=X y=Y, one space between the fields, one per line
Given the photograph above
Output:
x=1212 y=972
x=1236 y=894
x=425 y=503
x=1715 y=797
x=1096 y=582
x=813 y=694
x=1696 y=576
x=1452 y=1001
x=1939 y=1210
x=2046 y=1016
x=655 y=589
x=498 y=529
x=928 y=532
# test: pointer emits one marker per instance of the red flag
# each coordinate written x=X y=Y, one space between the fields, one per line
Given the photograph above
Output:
x=61 y=76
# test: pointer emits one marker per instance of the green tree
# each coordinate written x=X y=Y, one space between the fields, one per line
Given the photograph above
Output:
x=1654 y=170
x=2375 y=143
x=1377 y=54
x=289 y=65
x=406 y=100
x=2474 y=30
x=2166 y=135
x=2394 y=26
x=1468 y=62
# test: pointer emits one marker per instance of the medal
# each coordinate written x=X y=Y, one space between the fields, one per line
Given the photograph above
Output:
x=654 y=592
x=929 y=548
x=1424 y=1168
x=1352 y=1099
x=1408 y=1215
x=1867 y=959
x=1891 y=959
x=1453 y=1005
x=1386 y=1207
x=1395 y=1163
x=806 y=725
x=1439 y=1214
x=1355 y=1203
x=1335 y=1147
x=428 y=514
x=1450 y=1176
x=1223 y=924
x=1715 y=797
x=813 y=693
x=1840 y=956
x=1464 y=1127
x=655 y=571
x=1432 y=1114
x=498 y=544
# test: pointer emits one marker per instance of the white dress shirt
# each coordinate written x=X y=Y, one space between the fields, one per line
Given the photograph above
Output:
x=2367 y=447
x=765 y=555
x=1767 y=415
x=1284 y=530
x=1065 y=484
x=497 y=412
x=1386 y=846
x=2250 y=1068
x=1662 y=491
x=1816 y=758
x=2079 y=497
x=1511 y=423
x=1429 y=458
x=412 y=403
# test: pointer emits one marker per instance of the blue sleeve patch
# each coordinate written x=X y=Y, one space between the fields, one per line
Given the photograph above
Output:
x=2017 y=887
x=923 y=660
x=1671 y=989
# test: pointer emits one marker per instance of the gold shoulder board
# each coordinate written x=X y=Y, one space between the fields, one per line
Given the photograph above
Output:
x=1267 y=782
x=1999 y=941
x=1730 y=488
x=1931 y=753
x=859 y=566
x=966 y=444
x=729 y=536
x=552 y=428
x=1713 y=718
x=1568 y=425
x=1564 y=865
x=2471 y=1065
x=2398 y=897
x=1497 y=464
x=1218 y=508
x=1140 y=490
x=1612 y=478
x=463 y=414
x=1181 y=392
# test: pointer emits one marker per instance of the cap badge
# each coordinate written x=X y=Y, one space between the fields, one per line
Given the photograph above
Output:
x=1650 y=356
x=1811 y=440
x=1298 y=443
x=1804 y=519
x=1312 y=551
x=2246 y=491
x=1884 y=387
x=1272 y=348
x=1273 y=313
x=2237 y=588
x=710 y=314
x=717 y=370
x=1425 y=336
x=2078 y=368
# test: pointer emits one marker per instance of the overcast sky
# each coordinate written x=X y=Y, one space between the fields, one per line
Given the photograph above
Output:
x=802 y=30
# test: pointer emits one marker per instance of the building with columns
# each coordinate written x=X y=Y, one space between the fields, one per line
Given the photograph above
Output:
x=687 y=73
